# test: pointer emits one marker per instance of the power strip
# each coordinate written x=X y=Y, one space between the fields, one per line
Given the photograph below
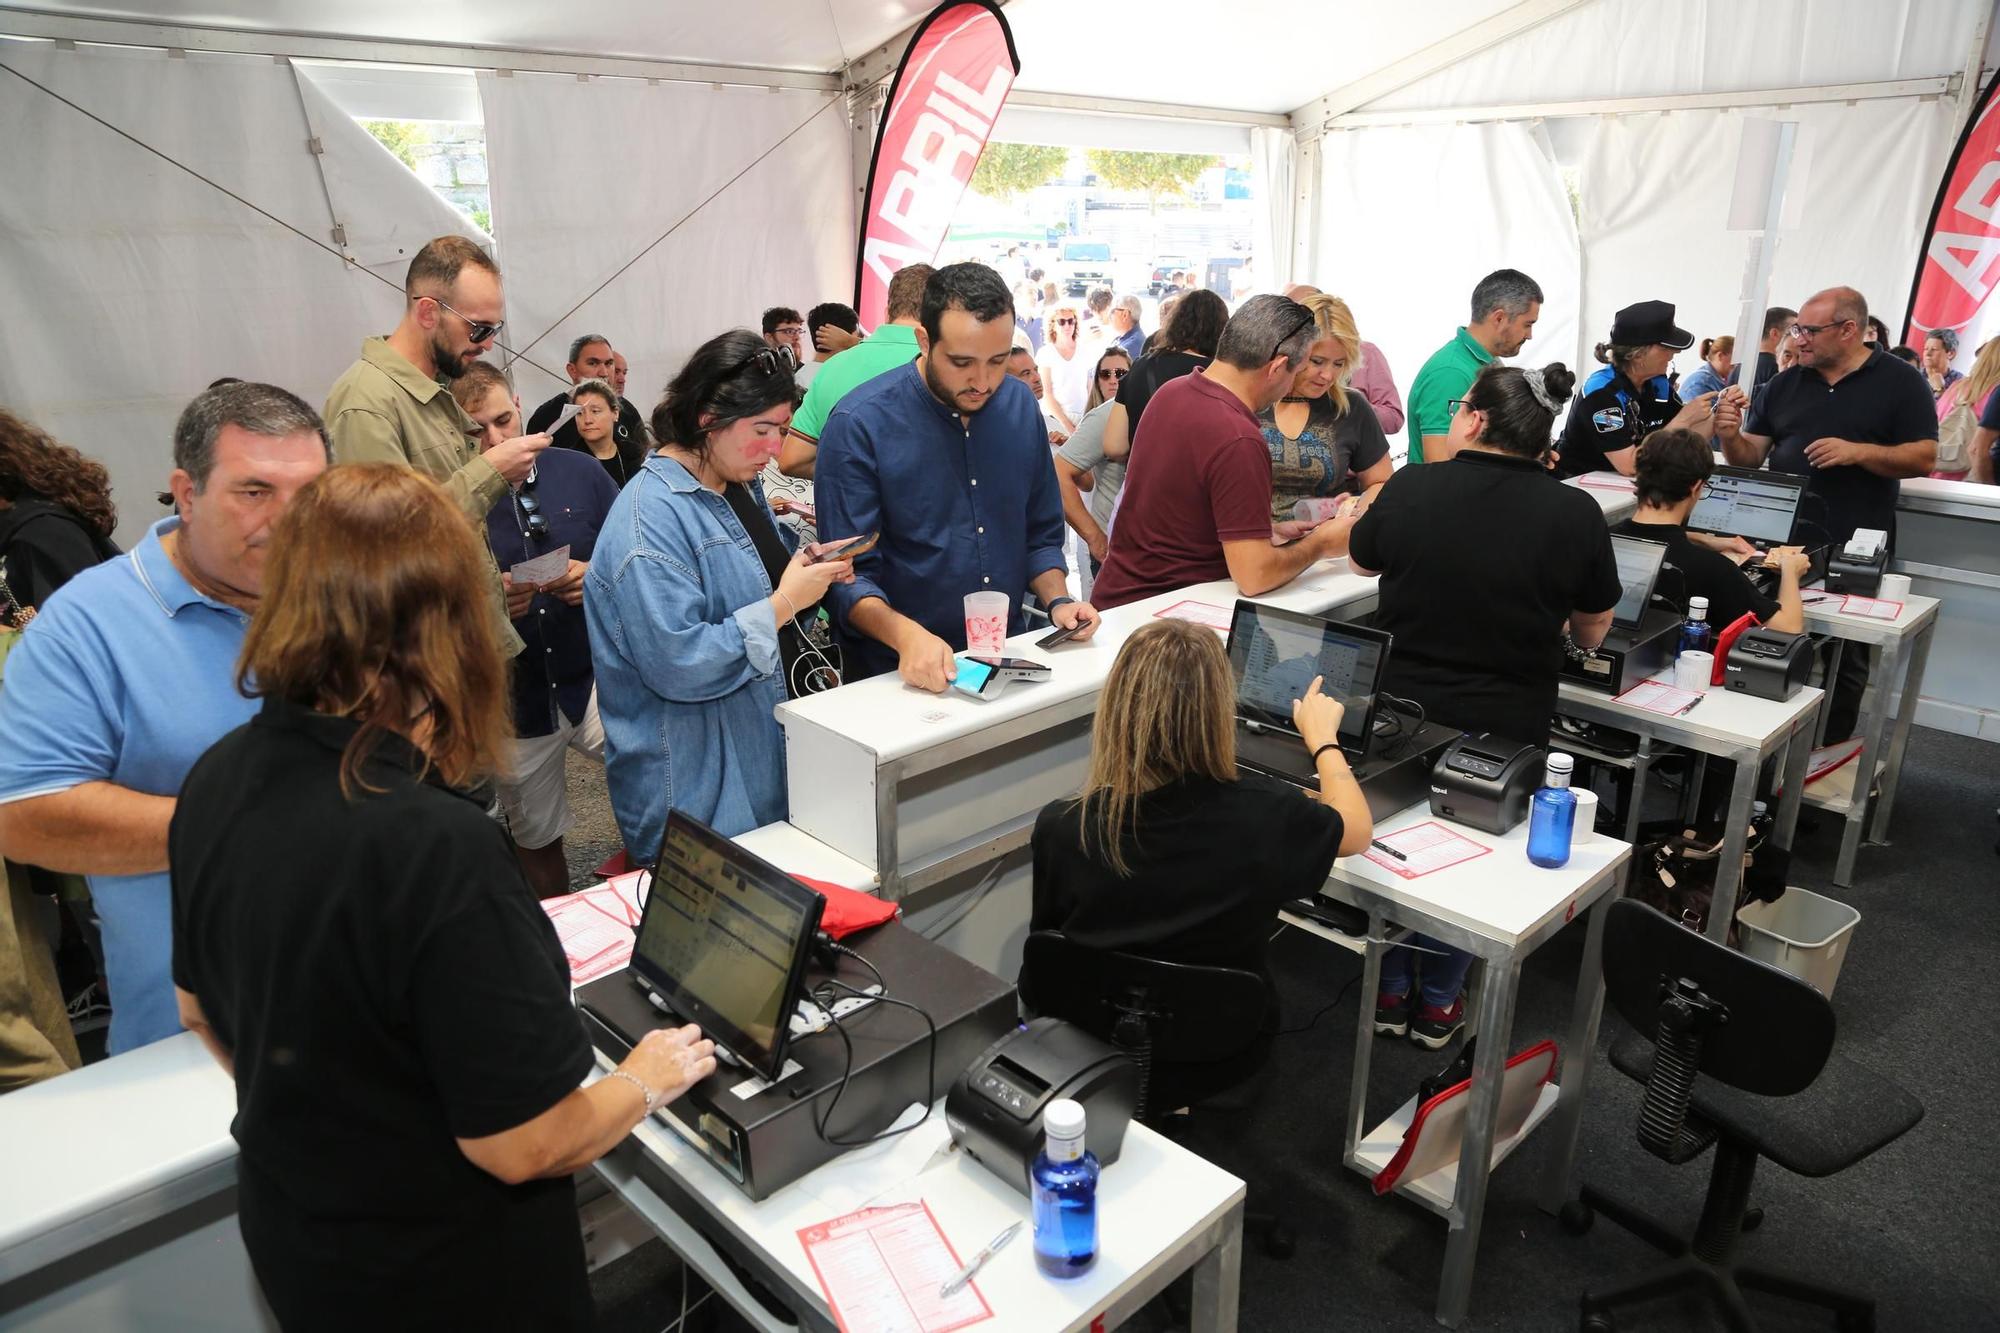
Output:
x=810 y=1017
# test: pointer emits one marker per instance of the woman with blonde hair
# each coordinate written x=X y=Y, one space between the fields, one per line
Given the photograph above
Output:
x=1065 y=364
x=355 y=943
x=1964 y=438
x=1169 y=851
x=1324 y=440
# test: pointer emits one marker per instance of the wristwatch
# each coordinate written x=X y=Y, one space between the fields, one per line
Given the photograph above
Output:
x=1060 y=601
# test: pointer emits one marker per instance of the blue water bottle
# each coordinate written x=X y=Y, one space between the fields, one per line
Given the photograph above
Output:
x=1065 y=1187
x=1552 y=816
x=1694 y=630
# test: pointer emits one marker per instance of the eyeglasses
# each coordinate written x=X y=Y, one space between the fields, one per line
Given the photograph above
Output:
x=476 y=329
x=789 y=330
x=1814 y=330
x=1113 y=374
x=538 y=525
x=1451 y=408
x=1290 y=334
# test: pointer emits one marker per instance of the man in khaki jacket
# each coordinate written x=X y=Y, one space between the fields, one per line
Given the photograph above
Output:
x=392 y=406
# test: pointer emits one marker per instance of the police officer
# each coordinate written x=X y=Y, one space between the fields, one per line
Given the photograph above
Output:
x=1631 y=397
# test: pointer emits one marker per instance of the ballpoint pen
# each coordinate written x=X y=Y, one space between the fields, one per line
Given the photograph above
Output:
x=1387 y=850
x=971 y=1270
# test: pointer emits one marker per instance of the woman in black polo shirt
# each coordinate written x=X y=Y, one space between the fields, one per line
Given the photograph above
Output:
x=1169 y=852
x=1483 y=559
x=355 y=942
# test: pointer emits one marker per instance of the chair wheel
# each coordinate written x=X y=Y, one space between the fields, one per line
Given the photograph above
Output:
x=1753 y=1218
x=1576 y=1217
x=1279 y=1241
x=1597 y=1322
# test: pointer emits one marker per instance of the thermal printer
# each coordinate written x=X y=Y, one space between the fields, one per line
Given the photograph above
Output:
x=995 y=1108
x=1858 y=566
x=1767 y=664
x=1485 y=781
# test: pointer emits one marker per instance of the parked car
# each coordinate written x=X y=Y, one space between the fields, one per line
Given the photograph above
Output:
x=1162 y=280
x=1083 y=265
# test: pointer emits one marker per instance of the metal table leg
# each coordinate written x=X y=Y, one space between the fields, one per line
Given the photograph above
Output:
x=1874 y=718
x=1798 y=758
x=1218 y=1279
x=1735 y=836
x=1559 y=1181
x=1364 y=1034
x=1918 y=656
x=1502 y=976
x=1642 y=767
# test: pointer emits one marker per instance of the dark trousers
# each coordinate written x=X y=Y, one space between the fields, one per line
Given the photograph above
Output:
x=1843 y=702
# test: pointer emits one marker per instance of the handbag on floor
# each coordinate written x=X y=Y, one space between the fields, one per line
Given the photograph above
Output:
x=1675 y=866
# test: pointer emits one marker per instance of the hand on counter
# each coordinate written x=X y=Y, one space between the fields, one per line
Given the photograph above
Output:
x=1081 y=616
x=924 y=660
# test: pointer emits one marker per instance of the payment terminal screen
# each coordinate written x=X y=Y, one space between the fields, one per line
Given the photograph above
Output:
x=1749 y=507
x=1638 y=569
x=712 y=933
x=1275 y=660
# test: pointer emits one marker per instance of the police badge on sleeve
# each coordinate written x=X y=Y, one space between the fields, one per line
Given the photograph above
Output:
x=1609 y=420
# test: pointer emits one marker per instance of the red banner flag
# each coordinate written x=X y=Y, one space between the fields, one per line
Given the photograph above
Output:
x=1959 y=266
x=942 y=103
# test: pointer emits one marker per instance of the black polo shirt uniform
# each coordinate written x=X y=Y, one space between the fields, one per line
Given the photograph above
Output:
x=630 y=432
x=1700 y=572
x=1883 y=401
x=1612 y=414
x=1483 y=557
x=386 y=984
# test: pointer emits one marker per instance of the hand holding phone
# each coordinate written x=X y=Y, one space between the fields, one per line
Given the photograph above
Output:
x=848 y=548
x=1057 y=636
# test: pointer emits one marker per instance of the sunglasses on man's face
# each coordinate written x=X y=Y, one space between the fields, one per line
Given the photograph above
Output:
x=476 y=329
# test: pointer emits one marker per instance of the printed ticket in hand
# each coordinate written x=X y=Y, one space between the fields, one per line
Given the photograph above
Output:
x=543 y=568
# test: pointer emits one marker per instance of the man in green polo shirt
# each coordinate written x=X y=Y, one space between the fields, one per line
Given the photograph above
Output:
x=1505 y=306
x=892 y=345
x=391 y=406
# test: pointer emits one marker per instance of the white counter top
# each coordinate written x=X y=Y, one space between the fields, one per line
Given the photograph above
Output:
x=1966 y=498
x=1723 y=717
x=93 y=1153
x=894 y=720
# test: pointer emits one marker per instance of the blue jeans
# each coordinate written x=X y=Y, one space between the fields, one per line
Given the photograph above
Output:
x=1444 y=974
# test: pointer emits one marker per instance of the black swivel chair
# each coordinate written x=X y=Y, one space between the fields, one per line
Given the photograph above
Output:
x=1183 y=1024
x=1734 y=1053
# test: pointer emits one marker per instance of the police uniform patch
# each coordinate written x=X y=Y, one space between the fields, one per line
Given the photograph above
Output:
x=1609 y=420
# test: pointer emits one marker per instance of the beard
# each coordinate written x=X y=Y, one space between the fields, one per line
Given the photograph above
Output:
x=450 y=364
x=946 y=396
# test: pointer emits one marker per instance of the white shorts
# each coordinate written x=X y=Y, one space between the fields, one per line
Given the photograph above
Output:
x=536 y=798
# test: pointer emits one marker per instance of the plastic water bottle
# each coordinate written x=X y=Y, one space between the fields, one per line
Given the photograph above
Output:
x=1552 y=816
x=1065 y=1189
x=1694 y=630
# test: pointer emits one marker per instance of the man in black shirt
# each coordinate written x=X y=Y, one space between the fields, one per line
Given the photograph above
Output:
x=1854 y=421
x=1777 y=325
x=591 y=358
x=1851 y=419
x=1673 y=467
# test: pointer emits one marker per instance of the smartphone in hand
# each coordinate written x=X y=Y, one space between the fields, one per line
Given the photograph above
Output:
x=846 y=549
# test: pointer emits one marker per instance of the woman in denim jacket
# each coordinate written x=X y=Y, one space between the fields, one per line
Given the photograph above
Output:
x=687 y=590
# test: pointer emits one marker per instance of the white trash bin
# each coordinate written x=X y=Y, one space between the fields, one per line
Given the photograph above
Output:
x=1804 y=933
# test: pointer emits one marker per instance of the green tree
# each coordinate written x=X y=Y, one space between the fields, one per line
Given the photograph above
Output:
x=401 y=137
x=1007 y=170
x=1156 y=175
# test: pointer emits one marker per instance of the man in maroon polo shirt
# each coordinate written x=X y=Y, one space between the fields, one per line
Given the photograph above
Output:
x=1197 y=500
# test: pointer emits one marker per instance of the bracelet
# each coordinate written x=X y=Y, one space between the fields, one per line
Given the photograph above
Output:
x=780 y=592
x=1059 y=601
x=1330 y=745
x=652 y=1098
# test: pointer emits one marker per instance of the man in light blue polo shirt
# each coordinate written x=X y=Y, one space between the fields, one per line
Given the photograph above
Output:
x=129 y=674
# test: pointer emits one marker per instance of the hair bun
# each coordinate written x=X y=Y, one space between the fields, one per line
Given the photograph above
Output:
x=1557 y=379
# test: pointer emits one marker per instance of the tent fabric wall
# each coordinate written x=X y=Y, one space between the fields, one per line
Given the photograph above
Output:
x=587 y=174
x=1860 y=188
x=1646 y=48
x=1274 y=171
x=1411 y=218
x=129 y=284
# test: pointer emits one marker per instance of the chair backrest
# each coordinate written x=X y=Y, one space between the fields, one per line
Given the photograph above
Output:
x=1776 y=1031
x=1190 y=1013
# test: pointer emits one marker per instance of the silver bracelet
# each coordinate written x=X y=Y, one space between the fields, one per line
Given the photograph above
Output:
x=653 y=1099
x=788 y=603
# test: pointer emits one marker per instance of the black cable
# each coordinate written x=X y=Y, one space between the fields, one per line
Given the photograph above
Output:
x=833 y=945
x=847 y=1071
x=1323 y=1009
x=1402 y=736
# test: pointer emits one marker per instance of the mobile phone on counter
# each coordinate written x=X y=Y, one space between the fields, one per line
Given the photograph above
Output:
x=1058 y=636
x=845 y=549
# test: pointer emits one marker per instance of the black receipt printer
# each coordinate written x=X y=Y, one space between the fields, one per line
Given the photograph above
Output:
x=995 y=1108
x=1767 y=664
x=1485 y=781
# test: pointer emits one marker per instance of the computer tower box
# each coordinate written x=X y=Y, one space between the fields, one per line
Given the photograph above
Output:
x=765 y=1137
x=1628 y=656
x=1396 y=772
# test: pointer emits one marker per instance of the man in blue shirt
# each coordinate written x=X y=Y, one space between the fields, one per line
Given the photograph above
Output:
x=948 y=459
x=129 y=674
x=562 y=502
